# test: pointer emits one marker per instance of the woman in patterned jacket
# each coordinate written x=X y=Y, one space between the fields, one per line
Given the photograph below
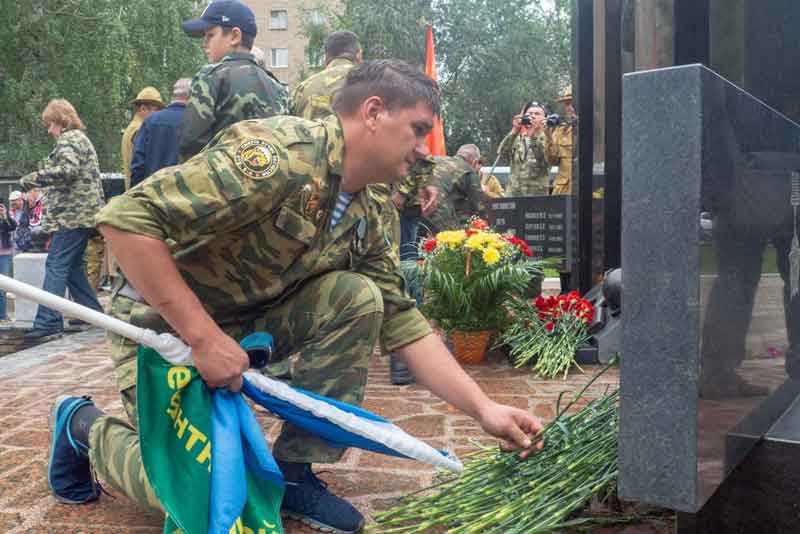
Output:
x=74 y=194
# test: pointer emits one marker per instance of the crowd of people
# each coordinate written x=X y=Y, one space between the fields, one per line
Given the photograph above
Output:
x=231 y=226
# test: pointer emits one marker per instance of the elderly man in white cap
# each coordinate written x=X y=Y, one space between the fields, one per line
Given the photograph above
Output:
x=146 y=102
x=156 y=144
x=18 y=213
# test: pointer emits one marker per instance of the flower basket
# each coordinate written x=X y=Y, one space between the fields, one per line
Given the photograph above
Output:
x=470 y=347
x=466 y=276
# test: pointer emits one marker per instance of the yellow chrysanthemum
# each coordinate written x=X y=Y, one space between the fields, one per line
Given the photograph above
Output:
x=491 y=256
x=495 y=241
x=475 y=241
x=451 y=238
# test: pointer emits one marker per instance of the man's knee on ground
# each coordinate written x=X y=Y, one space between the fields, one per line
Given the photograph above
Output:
x=353 y=295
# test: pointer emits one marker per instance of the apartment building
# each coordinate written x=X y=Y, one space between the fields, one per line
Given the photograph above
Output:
x=281 y=33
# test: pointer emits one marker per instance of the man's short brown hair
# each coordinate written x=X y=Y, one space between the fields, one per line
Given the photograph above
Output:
x=397 y=83
x=342 y=44
x=60 y=111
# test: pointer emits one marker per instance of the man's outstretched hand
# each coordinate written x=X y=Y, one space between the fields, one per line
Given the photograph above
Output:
x=517 y=428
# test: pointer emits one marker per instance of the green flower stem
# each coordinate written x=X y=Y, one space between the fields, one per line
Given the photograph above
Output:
x=500 y=494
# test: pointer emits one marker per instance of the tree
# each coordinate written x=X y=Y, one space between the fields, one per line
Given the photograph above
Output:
x=493 y=55
x=95 y=53
x=390 y=29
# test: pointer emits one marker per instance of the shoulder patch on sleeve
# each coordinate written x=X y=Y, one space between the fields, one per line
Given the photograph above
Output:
x=257 y=158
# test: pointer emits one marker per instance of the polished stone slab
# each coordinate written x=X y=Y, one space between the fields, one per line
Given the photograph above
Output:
x=704 y=319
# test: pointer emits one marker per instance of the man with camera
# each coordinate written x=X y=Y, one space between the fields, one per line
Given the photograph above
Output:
x=558 y=150
x=559 y=143
x=524 y=148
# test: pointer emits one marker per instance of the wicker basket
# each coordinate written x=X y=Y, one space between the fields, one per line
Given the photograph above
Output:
x=469 y=347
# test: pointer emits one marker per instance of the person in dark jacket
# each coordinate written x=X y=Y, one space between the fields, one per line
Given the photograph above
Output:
x=7 y=226
x=156 y=144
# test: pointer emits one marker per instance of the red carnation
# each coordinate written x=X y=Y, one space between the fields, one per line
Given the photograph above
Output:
x=429 y=245
x=479 y=224
x=549 y=327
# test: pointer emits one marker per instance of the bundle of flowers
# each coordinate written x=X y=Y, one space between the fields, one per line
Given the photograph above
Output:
x=467 y=275
x=548 y=330
x=498 y=493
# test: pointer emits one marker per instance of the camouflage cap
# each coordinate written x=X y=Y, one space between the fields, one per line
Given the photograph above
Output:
x=566 y=94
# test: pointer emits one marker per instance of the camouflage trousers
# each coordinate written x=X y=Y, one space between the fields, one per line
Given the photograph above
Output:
x=528 y=186
x=324 y=334
x=93 y=257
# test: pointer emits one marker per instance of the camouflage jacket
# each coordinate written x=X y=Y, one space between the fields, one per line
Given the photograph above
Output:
x=558 y=150
x=529 y=171
x=420 y=176
x=313 y=98
x=460 y=194
x=71 y=177
x=227 y=92
x=248 y=221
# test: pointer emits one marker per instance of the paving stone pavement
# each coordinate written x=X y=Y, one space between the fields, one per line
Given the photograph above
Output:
x=79 y=364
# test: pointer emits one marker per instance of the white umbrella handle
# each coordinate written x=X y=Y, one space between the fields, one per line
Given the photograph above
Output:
x=170 y=347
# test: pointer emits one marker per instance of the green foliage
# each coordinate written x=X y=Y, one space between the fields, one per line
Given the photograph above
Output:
x=390 y=29
x=495 y=56
x=315 y=29
x=95 y=53
x=492 y=55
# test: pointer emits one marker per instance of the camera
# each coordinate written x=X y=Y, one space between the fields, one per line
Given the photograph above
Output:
x=553 y=120
x=526 y=120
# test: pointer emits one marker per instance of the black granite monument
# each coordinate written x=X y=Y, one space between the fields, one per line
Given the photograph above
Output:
x=711 y=317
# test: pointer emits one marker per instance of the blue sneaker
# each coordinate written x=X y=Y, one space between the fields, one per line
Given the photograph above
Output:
x=69 y=474
x=309 y=501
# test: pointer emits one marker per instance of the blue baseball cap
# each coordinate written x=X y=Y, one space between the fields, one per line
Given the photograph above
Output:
x=227 y=13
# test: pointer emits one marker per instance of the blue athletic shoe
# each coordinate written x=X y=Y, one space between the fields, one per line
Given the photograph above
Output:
x=309 y=501
x=69 y=474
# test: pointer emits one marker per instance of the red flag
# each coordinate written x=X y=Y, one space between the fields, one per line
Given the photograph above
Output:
x=436 y=137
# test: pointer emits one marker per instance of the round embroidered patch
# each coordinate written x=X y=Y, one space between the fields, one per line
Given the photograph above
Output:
x=257 y=158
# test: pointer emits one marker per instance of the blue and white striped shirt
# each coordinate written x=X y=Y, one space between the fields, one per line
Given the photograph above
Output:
x=341 y=206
